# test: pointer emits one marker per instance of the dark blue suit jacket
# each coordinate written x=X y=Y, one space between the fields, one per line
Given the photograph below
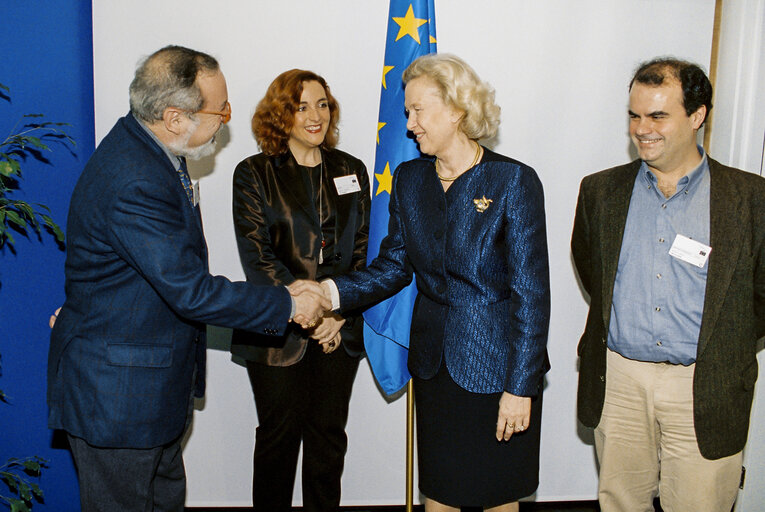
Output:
x=483 y=286
x=131 y=332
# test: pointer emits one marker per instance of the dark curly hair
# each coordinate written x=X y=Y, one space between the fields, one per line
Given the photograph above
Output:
x=275 y=114
x=697 y=89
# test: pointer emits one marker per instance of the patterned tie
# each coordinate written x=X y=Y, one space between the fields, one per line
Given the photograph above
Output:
x=183 y=173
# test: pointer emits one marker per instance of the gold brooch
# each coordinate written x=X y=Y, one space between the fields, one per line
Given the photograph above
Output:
x=481 y=204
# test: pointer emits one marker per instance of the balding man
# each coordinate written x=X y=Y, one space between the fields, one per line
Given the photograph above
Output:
x=128 y=349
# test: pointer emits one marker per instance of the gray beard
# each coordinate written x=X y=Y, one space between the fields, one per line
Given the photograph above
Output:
x=181 y=148
x=206 y=149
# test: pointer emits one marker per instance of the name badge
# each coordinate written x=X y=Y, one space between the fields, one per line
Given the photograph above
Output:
x=347 y=184
x=195 y=195
x=690 y=251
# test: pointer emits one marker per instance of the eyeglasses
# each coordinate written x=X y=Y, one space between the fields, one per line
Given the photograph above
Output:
x=225 y=113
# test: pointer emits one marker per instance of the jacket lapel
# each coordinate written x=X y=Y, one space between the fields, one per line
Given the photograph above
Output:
x=139 y=132
x=335 y=167
x=616 y=204
x=724 y=236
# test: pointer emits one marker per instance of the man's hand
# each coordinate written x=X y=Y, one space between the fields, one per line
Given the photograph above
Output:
x=53 y=317
x=310 y=302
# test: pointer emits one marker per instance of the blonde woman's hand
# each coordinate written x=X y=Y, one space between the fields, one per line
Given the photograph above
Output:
x=514 y=415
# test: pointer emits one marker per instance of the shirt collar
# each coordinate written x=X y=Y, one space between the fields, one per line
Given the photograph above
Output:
x=174 y=159
x=689 y=182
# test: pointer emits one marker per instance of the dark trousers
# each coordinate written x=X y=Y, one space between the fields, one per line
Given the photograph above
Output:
x=130 y=480
x=307 y=401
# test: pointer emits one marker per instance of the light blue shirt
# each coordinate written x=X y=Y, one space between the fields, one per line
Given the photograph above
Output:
x=659 y=299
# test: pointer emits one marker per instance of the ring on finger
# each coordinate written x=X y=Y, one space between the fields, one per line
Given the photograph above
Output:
x=510 y=426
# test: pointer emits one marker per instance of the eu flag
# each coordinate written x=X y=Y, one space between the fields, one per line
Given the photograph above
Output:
x=411 y=34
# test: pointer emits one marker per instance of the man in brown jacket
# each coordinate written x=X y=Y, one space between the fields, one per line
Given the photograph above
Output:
x=671 y=250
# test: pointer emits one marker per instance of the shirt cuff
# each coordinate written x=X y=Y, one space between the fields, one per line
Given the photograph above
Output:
x=334 y=294
x=293 y=306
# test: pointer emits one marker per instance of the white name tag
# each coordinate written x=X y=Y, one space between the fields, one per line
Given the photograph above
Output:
x=690 y=251
x=347 y=184
x=195 y=189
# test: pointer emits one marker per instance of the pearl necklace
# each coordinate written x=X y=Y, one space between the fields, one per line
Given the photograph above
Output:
x=475 y=161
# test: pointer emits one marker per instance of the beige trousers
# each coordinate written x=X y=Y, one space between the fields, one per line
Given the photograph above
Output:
x=646 y=443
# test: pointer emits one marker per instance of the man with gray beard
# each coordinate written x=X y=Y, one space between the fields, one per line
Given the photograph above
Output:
x=127 y=351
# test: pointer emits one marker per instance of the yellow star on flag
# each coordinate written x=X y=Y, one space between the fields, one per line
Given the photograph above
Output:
x=432 y=40
x=386 y=70
x=379 y=127
x=409 y=25
x=384 y=180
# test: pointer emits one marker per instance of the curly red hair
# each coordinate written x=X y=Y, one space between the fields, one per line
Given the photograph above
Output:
x=275 y=114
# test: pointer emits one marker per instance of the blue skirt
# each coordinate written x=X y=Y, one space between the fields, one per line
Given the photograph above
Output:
x=461 y=463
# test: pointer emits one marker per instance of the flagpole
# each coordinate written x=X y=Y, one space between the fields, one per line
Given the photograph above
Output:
x=411 y=34
x=409 y=446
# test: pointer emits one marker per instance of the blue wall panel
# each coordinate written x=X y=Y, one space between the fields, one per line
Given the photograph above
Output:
x=47 y=61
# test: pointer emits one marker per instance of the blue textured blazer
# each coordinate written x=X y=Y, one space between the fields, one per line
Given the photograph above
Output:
x=483 y=301
x=131 y=331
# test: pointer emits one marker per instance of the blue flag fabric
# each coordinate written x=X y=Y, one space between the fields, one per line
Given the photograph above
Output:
x=411 y=34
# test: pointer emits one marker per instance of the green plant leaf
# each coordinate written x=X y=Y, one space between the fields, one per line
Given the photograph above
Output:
x=60 y=236
x=32 y=466
x=11 y=480
x=30 y=135
x=15 y=218
x=36 y=142
x=18 y=505
x=6 y=169
x=37 y=491
x=25 y=492
x=23 y=208
x=15 y=167
x=53 y=226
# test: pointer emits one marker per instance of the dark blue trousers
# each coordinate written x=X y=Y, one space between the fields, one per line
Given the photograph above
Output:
x=130 y=480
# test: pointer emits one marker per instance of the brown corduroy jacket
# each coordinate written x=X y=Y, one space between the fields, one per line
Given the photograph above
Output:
x=734 y=306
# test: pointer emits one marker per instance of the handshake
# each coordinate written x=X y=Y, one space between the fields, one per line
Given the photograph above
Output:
x=313 y=305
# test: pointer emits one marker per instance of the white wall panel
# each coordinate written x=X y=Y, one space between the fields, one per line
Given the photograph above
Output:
x=561 y=71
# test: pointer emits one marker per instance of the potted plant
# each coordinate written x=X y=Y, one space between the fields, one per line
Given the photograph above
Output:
x=29 y=138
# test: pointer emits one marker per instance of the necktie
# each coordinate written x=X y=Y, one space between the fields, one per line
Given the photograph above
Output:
x=183 y=173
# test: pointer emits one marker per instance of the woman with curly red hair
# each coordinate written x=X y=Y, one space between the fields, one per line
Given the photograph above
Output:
x=301 y=211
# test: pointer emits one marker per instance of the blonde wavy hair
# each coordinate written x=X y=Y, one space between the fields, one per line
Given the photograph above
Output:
x=461 y=88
